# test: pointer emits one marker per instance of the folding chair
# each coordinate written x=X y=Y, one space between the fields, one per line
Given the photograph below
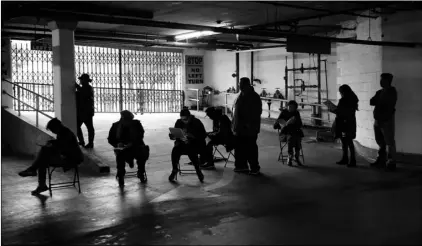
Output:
x=185 y=171
x=52 y=186
x=221 y=154
x=283 y=143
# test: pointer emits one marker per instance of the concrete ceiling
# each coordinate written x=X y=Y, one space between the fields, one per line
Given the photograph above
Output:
x=104 y=17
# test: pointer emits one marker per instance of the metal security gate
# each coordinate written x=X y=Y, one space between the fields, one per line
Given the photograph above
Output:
x=136 y=80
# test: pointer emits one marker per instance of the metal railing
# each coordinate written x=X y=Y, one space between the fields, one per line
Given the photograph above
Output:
x=193 y=99
x=36 y=108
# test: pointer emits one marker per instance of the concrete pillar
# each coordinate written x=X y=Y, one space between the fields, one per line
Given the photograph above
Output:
x=63 y=44
x=6 y=72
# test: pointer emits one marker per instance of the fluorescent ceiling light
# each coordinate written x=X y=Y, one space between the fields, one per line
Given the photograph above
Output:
x=194 y=35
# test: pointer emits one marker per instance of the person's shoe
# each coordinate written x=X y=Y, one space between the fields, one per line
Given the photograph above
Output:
x=290 y=162
x=352 y=163
x=241 y=170
x=255 y=172
x=39 y=189
x=142 y=176
x=208 y=166
x=378 y=163
x=343 y=161
x=299 y=163
x=89 y=146
x=28 y=173
x=131 y=164
x=172 y=176
x=391 y=165
x=82 y=143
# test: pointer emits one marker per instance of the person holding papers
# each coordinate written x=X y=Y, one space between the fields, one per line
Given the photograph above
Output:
x=127 y=138
x=290 y=124
x=345 y=123
x=189 y=135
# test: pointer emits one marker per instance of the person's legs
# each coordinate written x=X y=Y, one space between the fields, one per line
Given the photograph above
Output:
x=176 y=153
x=351 y=147
x=91 y=131
x=379 y=138
x=240 y=163
x=252 y=154
x=388 y=130
x=121 y=157
x=298 y=147
x=345 y=150
x=192 y=152
x=79 y=133
x=290 y=146
x=141 y=159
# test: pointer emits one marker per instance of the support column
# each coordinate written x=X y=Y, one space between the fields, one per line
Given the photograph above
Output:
x=63 y=43
x=6 y=72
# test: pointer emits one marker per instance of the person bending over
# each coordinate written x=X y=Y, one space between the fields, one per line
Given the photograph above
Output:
x=221 y=135
x=292 y=123
x=191 y=145
x=63 y=152
x=127 y=137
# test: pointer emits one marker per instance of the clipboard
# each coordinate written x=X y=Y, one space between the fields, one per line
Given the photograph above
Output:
x=177 y=132
x=330 y=104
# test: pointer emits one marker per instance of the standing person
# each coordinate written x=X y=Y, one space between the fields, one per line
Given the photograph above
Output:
x=85 y=110
x=128 y=135
x=292 y=122
x=63 y=152
x=192 y=145
x=384 y=126
x=246 y=127
x=345 y=124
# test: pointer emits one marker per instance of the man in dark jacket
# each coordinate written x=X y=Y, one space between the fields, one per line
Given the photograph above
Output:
x=63 y=152
x=292 y=124
x=246 y=127
x=127 y=137
x=85 y=110
x=191 y=145
x=384 y=125
x=221 y=135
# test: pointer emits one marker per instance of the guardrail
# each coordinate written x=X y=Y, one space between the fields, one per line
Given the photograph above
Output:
x=19 y=101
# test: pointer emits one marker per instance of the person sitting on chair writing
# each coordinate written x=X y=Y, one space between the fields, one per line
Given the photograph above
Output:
x=127 y=137
x=292 y=124
x=63 y=152
x=190 y=144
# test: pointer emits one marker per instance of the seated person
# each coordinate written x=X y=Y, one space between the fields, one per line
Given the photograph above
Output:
x=221 y=134
x=292 y=124
x=63 y=152
x=127 y=135
x=191 y=145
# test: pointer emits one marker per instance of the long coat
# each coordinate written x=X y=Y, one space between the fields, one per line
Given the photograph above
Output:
x=247 y=114
x=345 y=122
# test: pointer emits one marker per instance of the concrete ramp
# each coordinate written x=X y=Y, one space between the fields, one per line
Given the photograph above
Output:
x=20 y=136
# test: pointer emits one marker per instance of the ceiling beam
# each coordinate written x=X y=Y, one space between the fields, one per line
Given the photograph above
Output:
x=180 y=26
x=282 y=4
x=319 y=16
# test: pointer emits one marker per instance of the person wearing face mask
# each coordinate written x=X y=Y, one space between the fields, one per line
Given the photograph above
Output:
x=384 y=126
x=85 y=110
x=127 y=137
x=292 y=124
x=63 y=152
x=246 y=127
x=191 y=145
x=345 y=124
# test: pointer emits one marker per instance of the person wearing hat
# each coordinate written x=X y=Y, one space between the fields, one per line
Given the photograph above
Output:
x=85 y=110
x=191 y=145
x=221 y=134
x=292 y=124
x=384 y=126
x=246 y=127
x=63 y=152
x=127 y=137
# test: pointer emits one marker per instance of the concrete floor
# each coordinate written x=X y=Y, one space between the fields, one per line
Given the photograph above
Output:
x=320 y=204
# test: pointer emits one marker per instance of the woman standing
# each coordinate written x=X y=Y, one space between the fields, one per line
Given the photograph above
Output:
x=345 y=123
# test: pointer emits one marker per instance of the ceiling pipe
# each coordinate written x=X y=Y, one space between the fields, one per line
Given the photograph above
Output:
x=258 y=49
x=172 y=25
x=294 y=20
x=275 y=3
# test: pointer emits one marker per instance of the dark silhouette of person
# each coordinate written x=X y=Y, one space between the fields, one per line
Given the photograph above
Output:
x=246 y=127
x=63 y=152
x=345 y=124
x=292 y=124
x=384 y=126
x=85 y=110
x=221 y=135
x=127 y=137
x=191 y=145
